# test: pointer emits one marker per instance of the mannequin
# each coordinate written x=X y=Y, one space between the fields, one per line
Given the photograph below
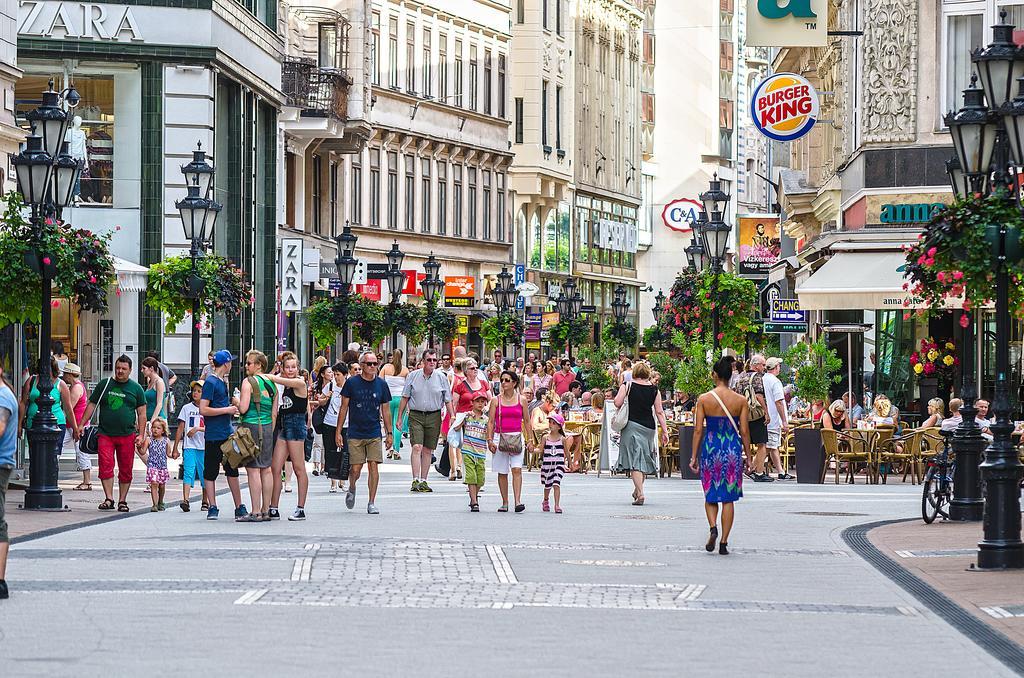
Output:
x=78 y=149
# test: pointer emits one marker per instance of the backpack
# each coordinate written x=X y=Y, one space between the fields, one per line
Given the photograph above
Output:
x=757 y=411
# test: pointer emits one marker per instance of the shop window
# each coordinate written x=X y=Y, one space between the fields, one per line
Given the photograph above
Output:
x=91 y=136
x=894 y=341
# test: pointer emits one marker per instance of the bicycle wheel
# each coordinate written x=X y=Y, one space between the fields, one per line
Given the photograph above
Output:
x=933 y=495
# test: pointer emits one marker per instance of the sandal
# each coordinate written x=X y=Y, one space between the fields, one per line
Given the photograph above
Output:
x=520 y=508
x=474 y=508
x=458 y=474
x=84 y=487
x=503 y=509
x=122 y=507
x=558 y=509
x=639 y=501
x=545 y=506
x=107 y=505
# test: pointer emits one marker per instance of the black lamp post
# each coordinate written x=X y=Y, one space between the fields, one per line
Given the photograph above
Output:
x=432 y=286
x=504 y=298
x=658 y=311
x=620 y=307
x=715 y=236
x=198 y=214
x=569 y=304
x=47 y=176
x=346 y=263
x=396 y=281
x=990 y=140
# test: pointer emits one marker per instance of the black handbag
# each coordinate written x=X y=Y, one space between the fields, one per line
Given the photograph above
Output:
x=321 y=412
x=90 y=441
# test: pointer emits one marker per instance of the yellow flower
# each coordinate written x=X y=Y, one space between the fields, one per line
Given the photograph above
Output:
x=918 y=368
x=933 y=355
x=950 y=346
x=948 y=360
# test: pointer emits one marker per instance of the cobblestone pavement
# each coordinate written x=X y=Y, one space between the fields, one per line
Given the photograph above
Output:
x=427 y=588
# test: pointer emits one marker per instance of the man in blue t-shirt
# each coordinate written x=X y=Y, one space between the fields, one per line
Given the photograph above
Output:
x=8 y=446
x=217 y=411
x=364 y=400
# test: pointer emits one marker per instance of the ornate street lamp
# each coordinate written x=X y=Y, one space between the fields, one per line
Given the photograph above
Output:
x=46 y=178
x=432 y=286
x=659 y=307
x=958 y=180
x=396 y=282
x=346 y=263
x=715 y=236
x=504 y=298
x=199 y=172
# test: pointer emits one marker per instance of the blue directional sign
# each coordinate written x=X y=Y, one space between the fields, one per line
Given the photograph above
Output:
x=787 y=311
x=520 y=277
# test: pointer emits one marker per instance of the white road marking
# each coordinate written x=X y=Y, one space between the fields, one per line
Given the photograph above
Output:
x=998 y=612
x=251 y=597
x=501 y=566
x=302 y=569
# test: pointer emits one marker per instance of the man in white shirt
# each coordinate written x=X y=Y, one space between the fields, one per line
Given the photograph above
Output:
x=952 y=422
x=778 y=420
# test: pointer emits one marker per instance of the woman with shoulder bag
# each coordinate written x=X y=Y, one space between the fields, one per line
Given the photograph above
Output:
x=335 y=466
x=257 y=401
x=505 y=422
x=290 y=445
x=636 y=445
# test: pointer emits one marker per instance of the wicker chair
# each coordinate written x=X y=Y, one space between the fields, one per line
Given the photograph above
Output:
x=904 y=450
x=840 y=447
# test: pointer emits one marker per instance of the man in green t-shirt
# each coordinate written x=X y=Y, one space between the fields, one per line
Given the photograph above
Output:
x=122 y=429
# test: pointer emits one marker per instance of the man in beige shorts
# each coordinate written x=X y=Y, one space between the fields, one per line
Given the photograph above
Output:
x=365 y=399
x=426 y=394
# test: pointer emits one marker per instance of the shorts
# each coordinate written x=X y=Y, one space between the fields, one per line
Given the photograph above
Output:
x=293 y=426
x=266 y=449
x=192 y=463
x=758 y=431
x=83 y=462
x=503 y=463
x=474 y=470
x=362 y=450
x=213 y=459
x=774 y=438
x=120 y=447
x=5 y=477
x=424 y=428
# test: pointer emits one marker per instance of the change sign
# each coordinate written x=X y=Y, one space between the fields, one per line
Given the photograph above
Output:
x=787 y=311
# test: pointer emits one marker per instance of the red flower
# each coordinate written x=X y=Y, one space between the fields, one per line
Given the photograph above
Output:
x=929 y=368
x=964 y=321
x=913 y=356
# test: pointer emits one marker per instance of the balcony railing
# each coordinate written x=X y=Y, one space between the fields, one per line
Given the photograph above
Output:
x=318 y=92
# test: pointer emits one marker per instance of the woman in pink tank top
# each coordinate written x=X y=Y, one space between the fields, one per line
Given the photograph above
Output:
x=505 y=433
x=79 y=401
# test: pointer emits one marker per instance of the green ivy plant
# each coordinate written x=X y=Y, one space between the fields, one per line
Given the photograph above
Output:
x=407 y=320
x=815 y=367
x=326 y=319
x=442 y=321
x=79 y=260
x=576 y=332
x=693 y=375
x=666 y=365
x=224 y=289
x=503 y=329
x=622 y=334
x=692 y=302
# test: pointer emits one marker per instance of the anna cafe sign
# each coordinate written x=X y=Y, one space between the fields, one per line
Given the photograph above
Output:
x=784 y=107
x=787 y=23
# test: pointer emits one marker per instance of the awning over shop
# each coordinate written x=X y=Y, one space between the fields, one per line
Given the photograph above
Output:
x=866 y=280
x=131 y=277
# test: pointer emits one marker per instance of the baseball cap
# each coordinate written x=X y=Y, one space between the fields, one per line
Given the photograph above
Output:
x=223 y=356
x=71 y=368
x=557 y=418
x=772 y=363
x=480 y=396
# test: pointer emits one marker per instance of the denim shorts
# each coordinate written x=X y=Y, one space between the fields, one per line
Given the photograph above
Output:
x=293 y=426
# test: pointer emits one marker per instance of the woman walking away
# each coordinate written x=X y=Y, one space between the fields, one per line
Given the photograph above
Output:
x=636 y=443
x=292 y=440
x=336 y=458
x=79 y=400
x=156 y=462
x=552 y=465
x=155 y=389
x=394 y=374
x=721 y=434
x=505 y=433
x=257 y=401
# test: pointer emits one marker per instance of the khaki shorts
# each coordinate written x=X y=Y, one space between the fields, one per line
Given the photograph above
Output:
x=362 y=450
x=5 y=477
x=424 y=428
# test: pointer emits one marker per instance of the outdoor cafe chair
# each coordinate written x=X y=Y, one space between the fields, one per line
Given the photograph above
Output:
x=841 y=447
x=902 y=450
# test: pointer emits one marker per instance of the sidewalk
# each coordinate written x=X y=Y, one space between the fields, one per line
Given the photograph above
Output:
x=941 y=555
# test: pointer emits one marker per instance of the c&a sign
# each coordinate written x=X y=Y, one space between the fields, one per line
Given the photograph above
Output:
x=787 y=23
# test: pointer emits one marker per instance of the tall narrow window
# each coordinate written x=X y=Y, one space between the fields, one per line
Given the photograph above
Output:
x=457 y=200
x=327 y=52
x=472 y=201
x=558 y=117
x=544 y=14
x=375 y=187
x=544 y=113
x=487 y=204
x=474 y=83
x=501 y=207
x=442 y=197
x=519 y=119
x=392 y=190
x=318 y=179
x=425 y=213
x=375 y=47
x=410 y=57
x=558 y=16
x=356 y=198
x=458 y=73
x=410 y=193
x=393 y=52
x=488 y=94
x=501 y=85
x=442 y=67
x=333 y=197
x=520 y=11
x=428 y=85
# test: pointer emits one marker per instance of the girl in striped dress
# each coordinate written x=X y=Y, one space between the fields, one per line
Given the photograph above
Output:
x=552 y=465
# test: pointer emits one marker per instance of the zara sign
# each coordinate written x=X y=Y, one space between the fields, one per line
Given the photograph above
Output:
x=79 y=20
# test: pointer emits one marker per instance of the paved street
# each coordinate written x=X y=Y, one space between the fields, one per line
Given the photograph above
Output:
x=427 y=588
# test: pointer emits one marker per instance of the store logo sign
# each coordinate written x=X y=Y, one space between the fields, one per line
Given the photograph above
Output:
x=80 y=20
x=784 y=107
x=774 y=9
x=787 y=23
x=681 y=214
x=291 y=274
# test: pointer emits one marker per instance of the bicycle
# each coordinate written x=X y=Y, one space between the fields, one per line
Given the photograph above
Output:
x=938 y=485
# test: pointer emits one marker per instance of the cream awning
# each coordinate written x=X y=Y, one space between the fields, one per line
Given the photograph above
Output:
x=865 y=280
x=131 y=277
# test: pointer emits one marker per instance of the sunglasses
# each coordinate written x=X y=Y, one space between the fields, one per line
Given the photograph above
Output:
x=370 y=364
x=473 y=367
x=431 y=360
x=506 y=381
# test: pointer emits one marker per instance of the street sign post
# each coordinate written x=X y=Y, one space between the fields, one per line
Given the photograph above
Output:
x=787 y=311
x=785 y=328
x=769 y=293
x=518 y=279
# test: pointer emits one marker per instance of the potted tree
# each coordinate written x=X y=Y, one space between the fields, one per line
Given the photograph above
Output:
x=693 y=376
x=815 y=368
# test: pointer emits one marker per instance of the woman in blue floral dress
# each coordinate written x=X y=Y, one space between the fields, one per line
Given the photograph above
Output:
x=720 y=438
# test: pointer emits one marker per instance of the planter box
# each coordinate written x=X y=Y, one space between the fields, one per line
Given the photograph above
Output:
x=686 y=452
x=810 y=455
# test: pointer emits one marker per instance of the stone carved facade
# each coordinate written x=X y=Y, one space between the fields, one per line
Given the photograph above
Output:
x=889 y=82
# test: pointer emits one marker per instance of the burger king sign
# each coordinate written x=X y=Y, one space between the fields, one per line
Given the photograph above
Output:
x=784 y=107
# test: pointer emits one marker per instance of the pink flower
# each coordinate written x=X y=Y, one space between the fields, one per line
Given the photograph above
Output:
x=941 y=277
x=906 y=316
x=118 y=291
x=199 y=326
x=731 y=313
x=92 y=279
x=932 y=252
x=964 y=321
x=46 y=260
x=929 y=262
x=921 y=260
x=958 y=275
x=55 y=303
x=721 y=335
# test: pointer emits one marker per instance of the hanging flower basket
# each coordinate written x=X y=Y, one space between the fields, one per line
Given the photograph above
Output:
x=622 y=334
x=503 y=329
x=173 y=285
x=691 y=305
x=406 y=319
x=77 y=260
x=328 y=317
x=576 y=332
x=442 y=321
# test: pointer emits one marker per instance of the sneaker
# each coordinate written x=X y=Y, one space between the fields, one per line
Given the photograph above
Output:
x=786 y=476
x=241 y=512
x=298 y=514
x=763 y=478
x=415 y=486
x=350 y=499
x=424 y=487
x=4 y=593
x=212 y=513
x=372 y=509
x=333 y=489
x=273 y=514
x=161 y=506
